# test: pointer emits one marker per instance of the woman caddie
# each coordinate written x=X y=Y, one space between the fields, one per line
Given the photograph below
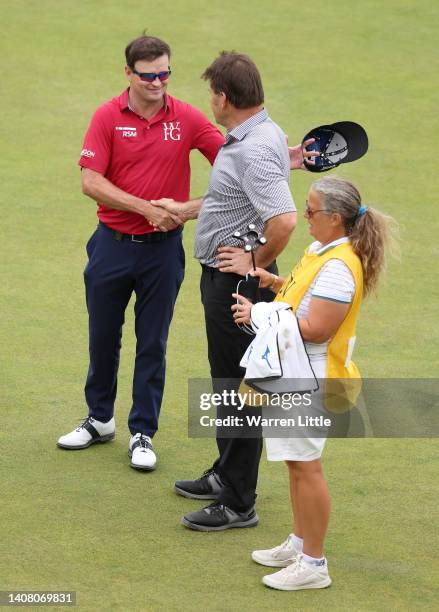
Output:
x=325 y=291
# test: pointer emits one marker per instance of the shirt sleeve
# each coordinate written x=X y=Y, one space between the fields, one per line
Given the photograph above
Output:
x=334 y=282
x=96 y=150
x=266 y=185
x=207 y=138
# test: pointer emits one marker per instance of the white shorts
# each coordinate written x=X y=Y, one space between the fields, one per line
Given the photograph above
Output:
x=298 y=449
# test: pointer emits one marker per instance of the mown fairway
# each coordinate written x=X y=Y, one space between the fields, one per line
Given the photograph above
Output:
x=85 y=521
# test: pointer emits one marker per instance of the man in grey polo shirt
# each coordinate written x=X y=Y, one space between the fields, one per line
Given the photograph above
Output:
x=249 y=184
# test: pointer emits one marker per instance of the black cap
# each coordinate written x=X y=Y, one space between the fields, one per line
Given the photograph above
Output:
x=338 y=143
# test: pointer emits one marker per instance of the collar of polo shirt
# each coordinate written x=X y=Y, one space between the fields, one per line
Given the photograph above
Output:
x=240 y=131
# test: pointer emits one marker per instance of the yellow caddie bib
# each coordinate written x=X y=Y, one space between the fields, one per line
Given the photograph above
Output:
x=343 y=380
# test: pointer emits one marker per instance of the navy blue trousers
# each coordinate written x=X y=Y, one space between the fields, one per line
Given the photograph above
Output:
x=116 y=269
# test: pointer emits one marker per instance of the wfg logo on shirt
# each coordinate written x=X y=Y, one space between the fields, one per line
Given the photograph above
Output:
x=172 y=130
x=127 y=132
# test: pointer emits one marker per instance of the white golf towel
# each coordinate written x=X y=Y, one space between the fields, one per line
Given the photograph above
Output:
x=276 y=359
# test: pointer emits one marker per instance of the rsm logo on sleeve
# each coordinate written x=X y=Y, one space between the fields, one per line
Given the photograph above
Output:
x=172 y=130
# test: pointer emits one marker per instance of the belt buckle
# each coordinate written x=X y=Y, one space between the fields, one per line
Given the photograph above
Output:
x=134 y=240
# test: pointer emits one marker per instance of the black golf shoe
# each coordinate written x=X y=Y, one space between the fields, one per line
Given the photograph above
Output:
x=218 y=517
x=208 y=486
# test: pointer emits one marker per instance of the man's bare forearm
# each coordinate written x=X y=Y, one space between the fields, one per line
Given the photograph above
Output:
x=277 y=232
x=191 y=208
x=100 y=189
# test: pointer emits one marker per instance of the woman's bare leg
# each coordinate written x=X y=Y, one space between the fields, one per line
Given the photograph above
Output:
x=311 y=504
x=297 y=528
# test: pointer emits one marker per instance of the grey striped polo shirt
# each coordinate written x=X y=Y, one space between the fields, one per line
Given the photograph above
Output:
x=249 y=184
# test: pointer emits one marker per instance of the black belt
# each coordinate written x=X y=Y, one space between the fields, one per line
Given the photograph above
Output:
x=209 y=268
x=145 y=238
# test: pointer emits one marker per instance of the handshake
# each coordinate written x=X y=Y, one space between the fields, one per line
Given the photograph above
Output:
x=166 y=214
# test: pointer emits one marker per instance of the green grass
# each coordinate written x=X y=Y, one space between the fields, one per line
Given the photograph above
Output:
x=86 y=521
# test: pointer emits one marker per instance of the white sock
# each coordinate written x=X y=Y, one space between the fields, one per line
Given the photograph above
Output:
x=297 y=542
x=314 y=561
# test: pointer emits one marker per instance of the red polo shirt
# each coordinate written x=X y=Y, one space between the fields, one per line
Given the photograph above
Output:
x=146 y=158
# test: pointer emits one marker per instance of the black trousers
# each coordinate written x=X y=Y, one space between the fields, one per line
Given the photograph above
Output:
x=238 y=461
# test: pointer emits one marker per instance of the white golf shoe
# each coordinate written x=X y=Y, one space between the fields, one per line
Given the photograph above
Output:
x=299 y=575
x=88 y=432
x=279 y=556
x=141 y=453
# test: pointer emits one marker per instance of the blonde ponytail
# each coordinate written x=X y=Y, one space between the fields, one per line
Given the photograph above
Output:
x=371 y=237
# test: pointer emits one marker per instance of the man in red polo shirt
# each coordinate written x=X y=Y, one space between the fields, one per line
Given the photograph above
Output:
x=136 y=150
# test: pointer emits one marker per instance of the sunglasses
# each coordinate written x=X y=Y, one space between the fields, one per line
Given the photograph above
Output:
x=150 y=77
x=310 y=213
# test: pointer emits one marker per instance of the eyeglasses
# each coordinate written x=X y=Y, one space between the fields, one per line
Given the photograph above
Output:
x=309 y=212
x=150 y=77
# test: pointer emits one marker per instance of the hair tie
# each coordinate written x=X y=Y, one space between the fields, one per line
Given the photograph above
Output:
x=362 y=210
